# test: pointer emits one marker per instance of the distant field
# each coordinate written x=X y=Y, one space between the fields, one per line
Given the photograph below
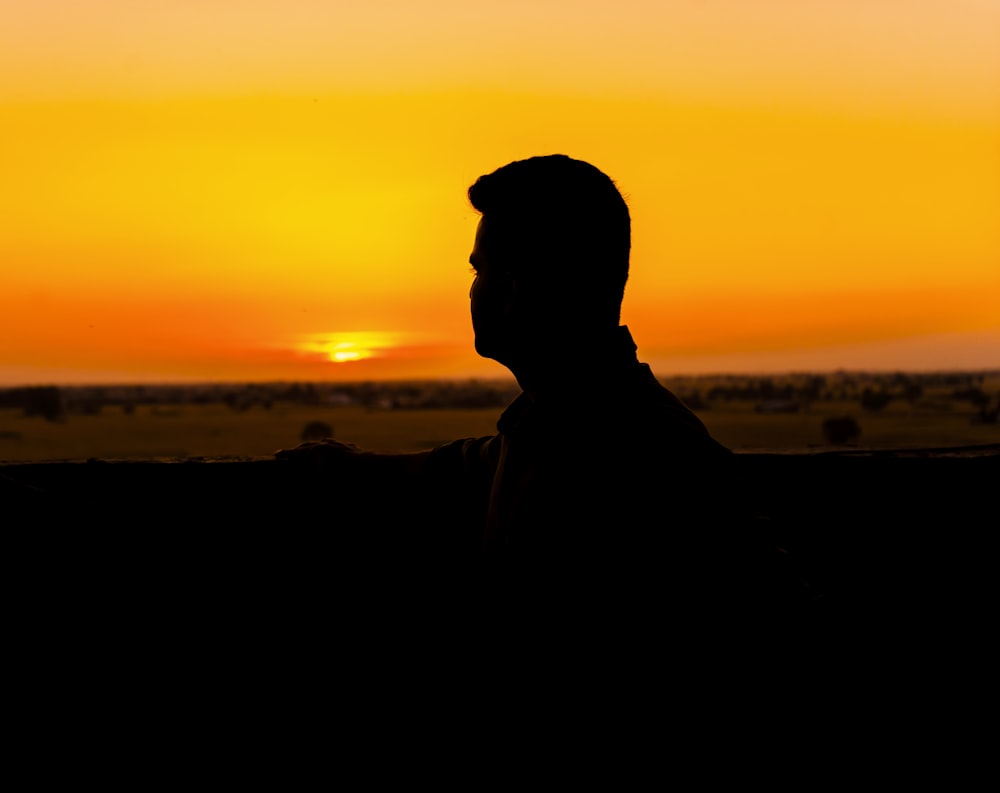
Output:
x=214 y=430
x=897 y=426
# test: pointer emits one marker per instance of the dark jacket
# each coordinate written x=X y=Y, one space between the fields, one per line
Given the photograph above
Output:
x=607 y=494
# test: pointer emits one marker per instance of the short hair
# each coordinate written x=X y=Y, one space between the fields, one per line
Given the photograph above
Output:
x=553 y=213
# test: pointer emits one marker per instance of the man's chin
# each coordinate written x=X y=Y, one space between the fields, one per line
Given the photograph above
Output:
x=487 y=350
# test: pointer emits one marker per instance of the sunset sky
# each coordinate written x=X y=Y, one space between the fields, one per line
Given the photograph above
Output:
x=205 y=190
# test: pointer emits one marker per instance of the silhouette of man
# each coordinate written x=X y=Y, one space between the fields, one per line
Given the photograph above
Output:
x=599 y=484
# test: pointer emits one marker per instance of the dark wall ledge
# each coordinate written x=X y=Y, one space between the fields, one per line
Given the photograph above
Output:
x=855 y=490
x=237 y=558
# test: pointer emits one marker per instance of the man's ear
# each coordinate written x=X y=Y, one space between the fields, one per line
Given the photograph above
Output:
x=537 y=310
x=512 y=301
x=522 y=296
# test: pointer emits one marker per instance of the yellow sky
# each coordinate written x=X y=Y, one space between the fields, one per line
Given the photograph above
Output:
x=255 y=190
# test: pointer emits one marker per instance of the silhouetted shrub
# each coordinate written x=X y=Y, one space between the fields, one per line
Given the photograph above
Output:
x=875 y=400
x=975 y=395
x=694 y=400
x=912 y=392
x=316 y=431
x=44 y=401
x=840 y=430
x=87 y=407
x=986 y=416
x=237 y=402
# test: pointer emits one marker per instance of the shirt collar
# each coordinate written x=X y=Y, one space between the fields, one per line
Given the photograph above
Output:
x=607 y=361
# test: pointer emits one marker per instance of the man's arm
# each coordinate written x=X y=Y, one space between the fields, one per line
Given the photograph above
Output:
x=337 y=455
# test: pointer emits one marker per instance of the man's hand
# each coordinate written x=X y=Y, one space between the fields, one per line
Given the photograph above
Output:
x=329 y=453
x=326 y=452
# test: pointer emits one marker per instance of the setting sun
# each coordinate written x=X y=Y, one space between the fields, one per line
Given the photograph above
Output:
x=344 y=347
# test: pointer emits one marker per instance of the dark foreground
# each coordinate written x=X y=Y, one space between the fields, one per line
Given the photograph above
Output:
x=224 y=589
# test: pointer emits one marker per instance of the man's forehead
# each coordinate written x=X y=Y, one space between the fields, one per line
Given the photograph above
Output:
x=520 y=236
x=487 y=235
x=496 y=234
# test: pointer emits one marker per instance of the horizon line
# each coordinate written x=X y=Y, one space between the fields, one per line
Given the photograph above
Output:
x=494 y=379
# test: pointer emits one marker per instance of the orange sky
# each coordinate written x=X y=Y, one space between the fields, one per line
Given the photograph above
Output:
x=257 y=189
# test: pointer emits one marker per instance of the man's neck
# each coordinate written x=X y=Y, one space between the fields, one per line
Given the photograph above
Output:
x=555 y=366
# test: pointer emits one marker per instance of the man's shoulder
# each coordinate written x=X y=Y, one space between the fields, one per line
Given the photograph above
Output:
x=648 y=413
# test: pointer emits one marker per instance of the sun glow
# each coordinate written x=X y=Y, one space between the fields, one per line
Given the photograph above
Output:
x=344 y=347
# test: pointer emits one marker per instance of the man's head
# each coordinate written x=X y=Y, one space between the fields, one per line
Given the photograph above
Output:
x=551 y=254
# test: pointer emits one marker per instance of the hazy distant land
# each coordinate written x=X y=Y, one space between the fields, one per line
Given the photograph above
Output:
x=794 y=412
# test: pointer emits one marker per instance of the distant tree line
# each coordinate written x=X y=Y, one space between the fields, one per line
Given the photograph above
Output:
x=55 y=403
x=871 y=392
